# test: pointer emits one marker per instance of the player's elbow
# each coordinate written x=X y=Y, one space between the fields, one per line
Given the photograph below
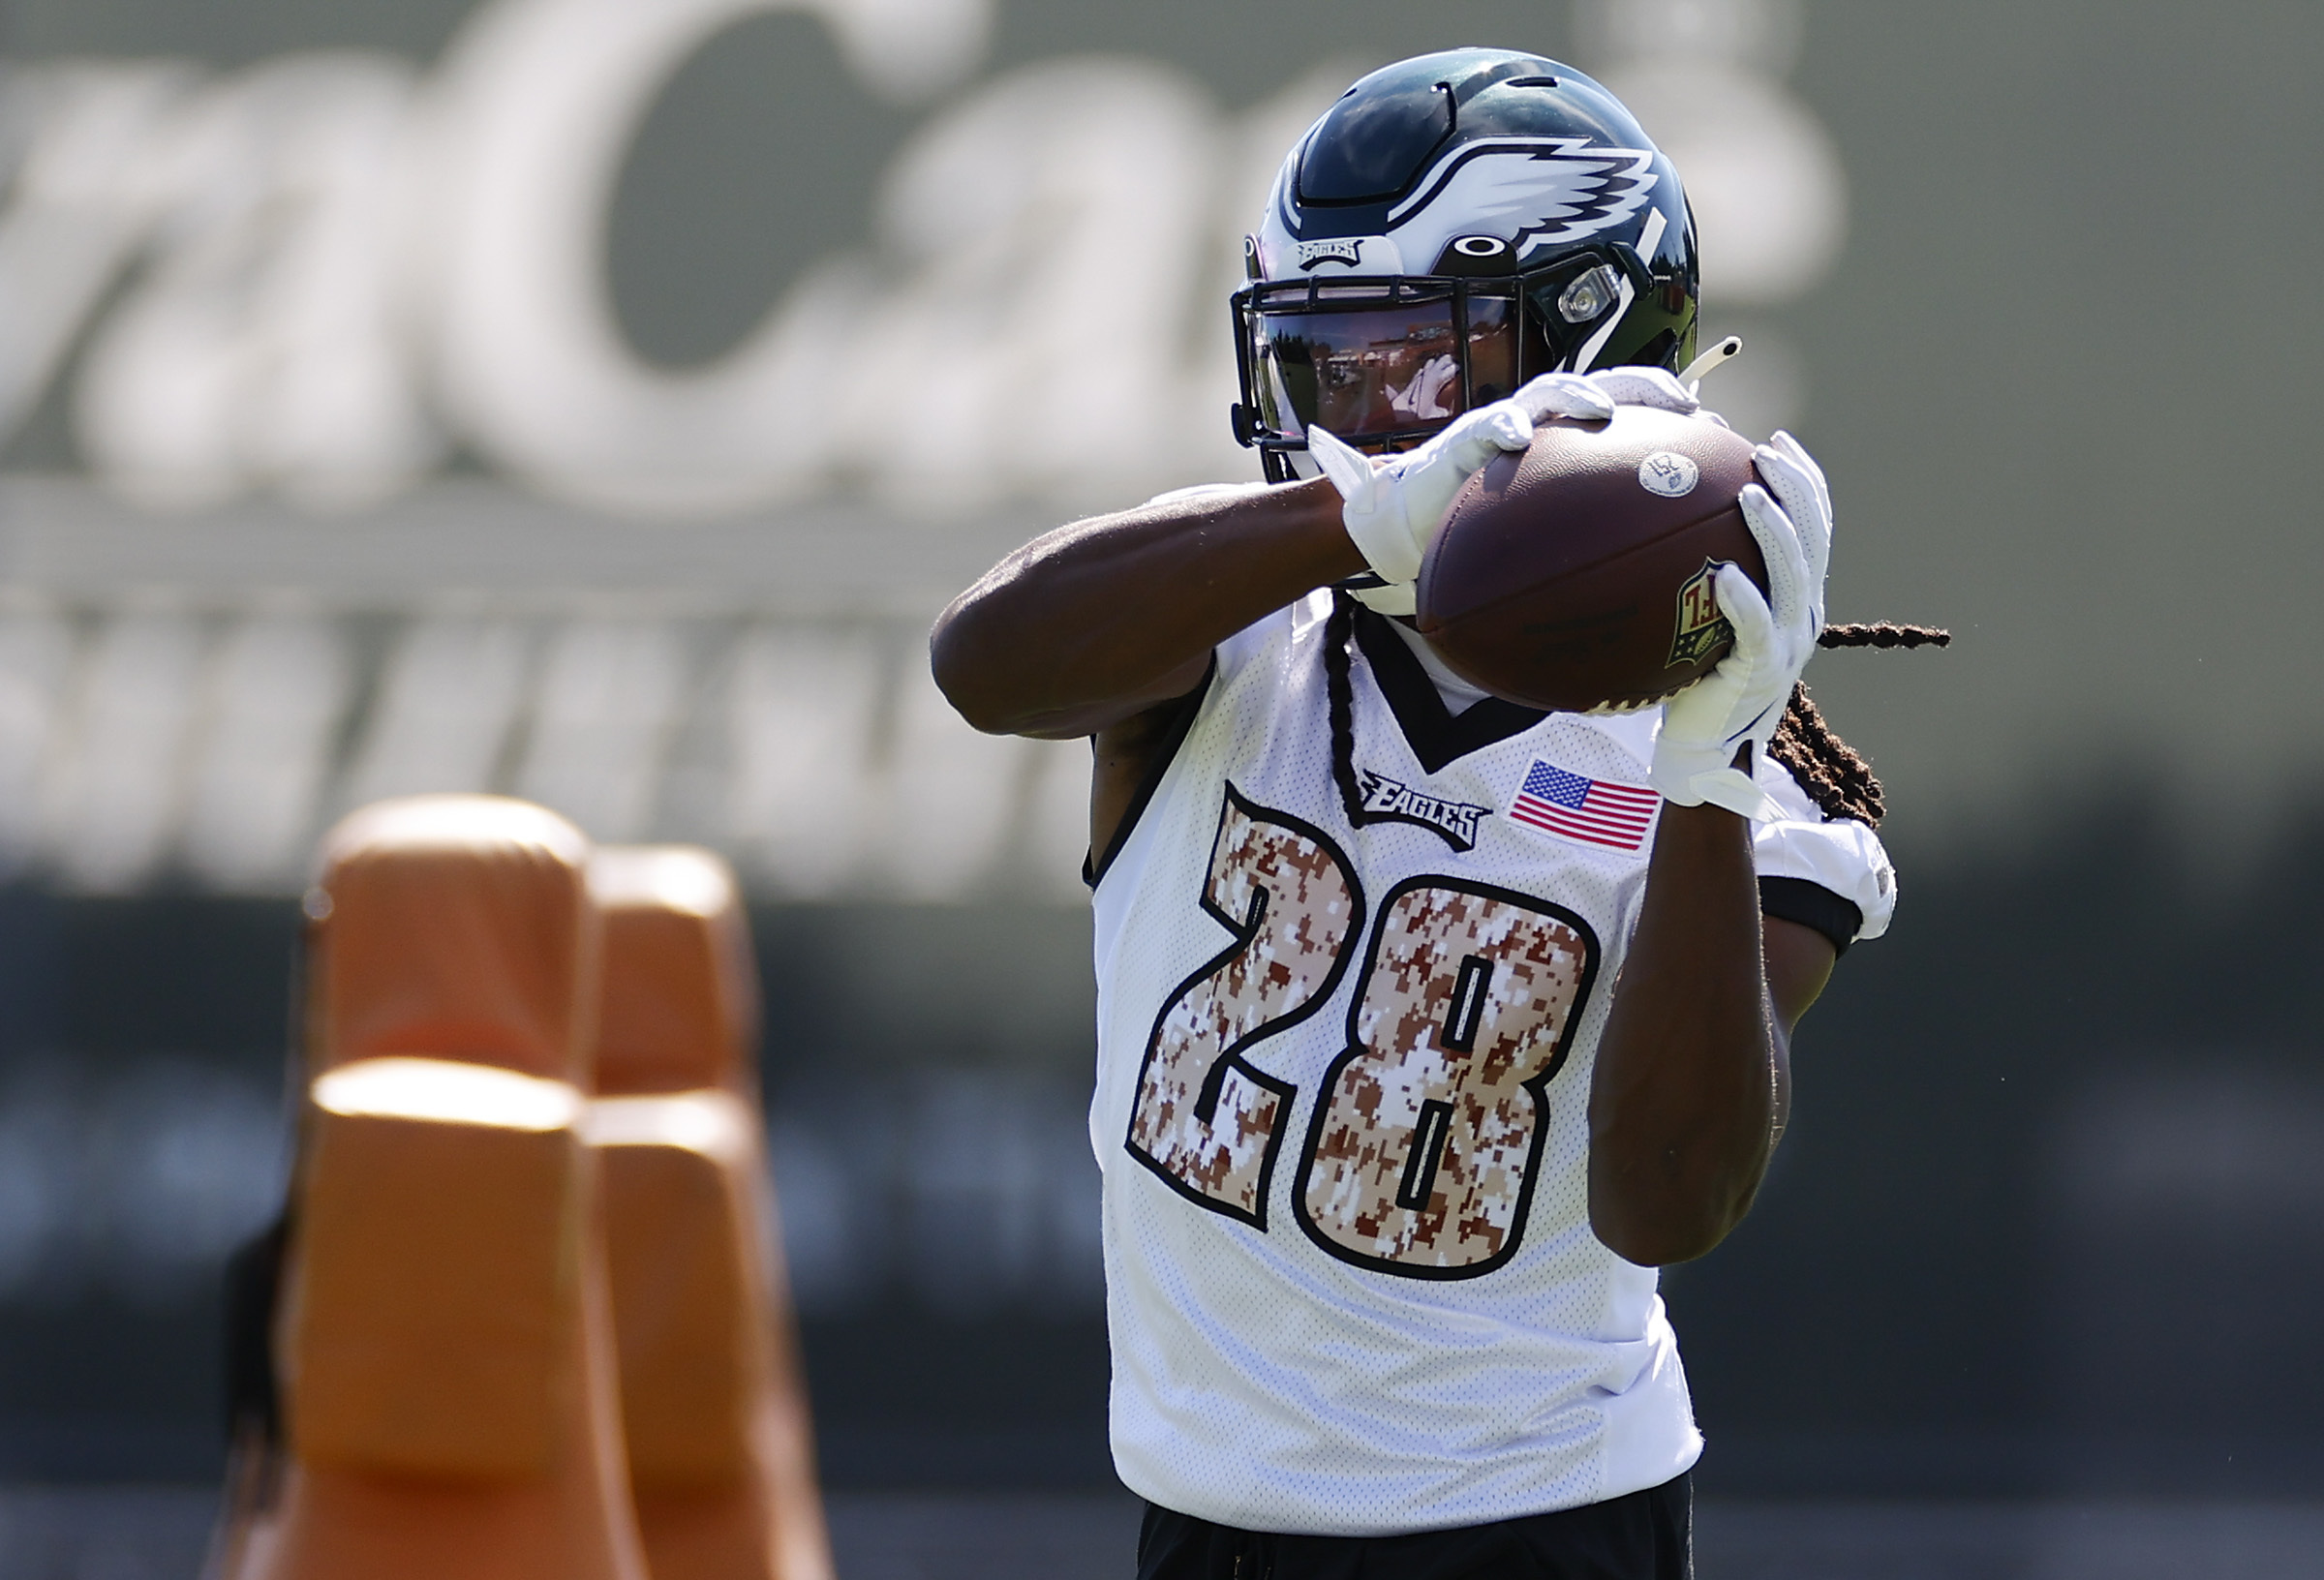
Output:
x=962 y=659
x=1657 y=1245
x=1656 y=1228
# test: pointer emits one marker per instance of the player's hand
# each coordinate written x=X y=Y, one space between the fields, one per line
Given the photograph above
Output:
x=1644 y=387
x=1742 y=700
x=1593 y=396
x=1650 y=387
x=1394 y=503
x=1565 y=395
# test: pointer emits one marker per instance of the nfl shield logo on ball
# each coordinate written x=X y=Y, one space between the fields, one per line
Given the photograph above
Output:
x=1700 y=625
x=1668 y=474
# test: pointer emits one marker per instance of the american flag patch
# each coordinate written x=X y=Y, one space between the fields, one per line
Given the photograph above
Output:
x=1590 y=810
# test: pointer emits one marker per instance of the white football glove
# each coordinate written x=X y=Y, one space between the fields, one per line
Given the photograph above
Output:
x=1633 y=386
x=1394 y=503
x=1743 y=699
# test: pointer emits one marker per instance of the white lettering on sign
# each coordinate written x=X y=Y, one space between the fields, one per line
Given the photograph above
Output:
x=350 y=267
x=261 y=346
x=347 y=270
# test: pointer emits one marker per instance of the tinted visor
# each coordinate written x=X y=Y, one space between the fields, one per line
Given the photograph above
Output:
x=1376 y=362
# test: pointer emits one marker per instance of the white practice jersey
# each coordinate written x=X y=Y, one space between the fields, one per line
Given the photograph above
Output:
x=1343 y=1075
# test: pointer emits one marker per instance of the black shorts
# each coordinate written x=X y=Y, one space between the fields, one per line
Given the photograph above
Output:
x=1645 y=1535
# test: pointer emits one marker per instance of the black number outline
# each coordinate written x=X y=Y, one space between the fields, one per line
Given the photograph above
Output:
x=1246 y=931
x=1538 y=1089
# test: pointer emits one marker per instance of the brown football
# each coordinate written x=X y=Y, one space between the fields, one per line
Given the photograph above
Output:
x=1579 y=574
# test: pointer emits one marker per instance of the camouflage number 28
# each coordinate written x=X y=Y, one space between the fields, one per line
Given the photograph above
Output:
x=1421 y=1152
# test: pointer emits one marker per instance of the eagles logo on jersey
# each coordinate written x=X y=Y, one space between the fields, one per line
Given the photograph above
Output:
x=1453 y=227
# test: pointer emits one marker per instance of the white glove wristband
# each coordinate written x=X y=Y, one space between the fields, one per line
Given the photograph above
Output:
x=1729 y=787
x=1392 y=508
x=1375 y=512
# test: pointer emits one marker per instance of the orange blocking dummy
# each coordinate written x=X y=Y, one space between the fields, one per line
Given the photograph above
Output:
x=444 y=1338
x=721 y=1451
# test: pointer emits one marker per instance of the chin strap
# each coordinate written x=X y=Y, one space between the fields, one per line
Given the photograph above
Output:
x=1709 y=362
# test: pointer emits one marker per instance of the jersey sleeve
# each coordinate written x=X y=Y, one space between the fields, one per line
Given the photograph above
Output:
x=1829 y=875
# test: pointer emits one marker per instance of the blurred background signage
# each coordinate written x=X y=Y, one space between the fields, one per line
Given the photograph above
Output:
x=323 y=274
x=377 y=392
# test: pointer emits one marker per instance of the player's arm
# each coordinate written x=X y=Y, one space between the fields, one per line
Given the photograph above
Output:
x=1692 y=1080
x=1101 y=621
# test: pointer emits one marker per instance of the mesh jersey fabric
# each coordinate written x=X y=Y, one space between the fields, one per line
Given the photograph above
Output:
x=1340 y=1116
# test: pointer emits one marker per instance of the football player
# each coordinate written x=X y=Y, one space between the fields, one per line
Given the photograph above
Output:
x=1429 y=1026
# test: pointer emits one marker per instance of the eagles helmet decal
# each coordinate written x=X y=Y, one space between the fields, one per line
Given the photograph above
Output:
x=1526 y=193
x=1536 y=194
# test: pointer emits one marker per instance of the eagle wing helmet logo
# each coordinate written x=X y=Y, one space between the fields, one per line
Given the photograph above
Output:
x=1533 y=191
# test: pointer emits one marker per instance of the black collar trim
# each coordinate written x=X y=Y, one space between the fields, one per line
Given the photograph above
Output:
x=1435 y=733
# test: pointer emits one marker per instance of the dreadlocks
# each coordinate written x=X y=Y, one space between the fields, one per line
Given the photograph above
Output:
x=1883 y=634
x=1834 y=775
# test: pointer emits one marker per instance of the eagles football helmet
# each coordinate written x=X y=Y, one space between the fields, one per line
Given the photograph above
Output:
x=1456 y=225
